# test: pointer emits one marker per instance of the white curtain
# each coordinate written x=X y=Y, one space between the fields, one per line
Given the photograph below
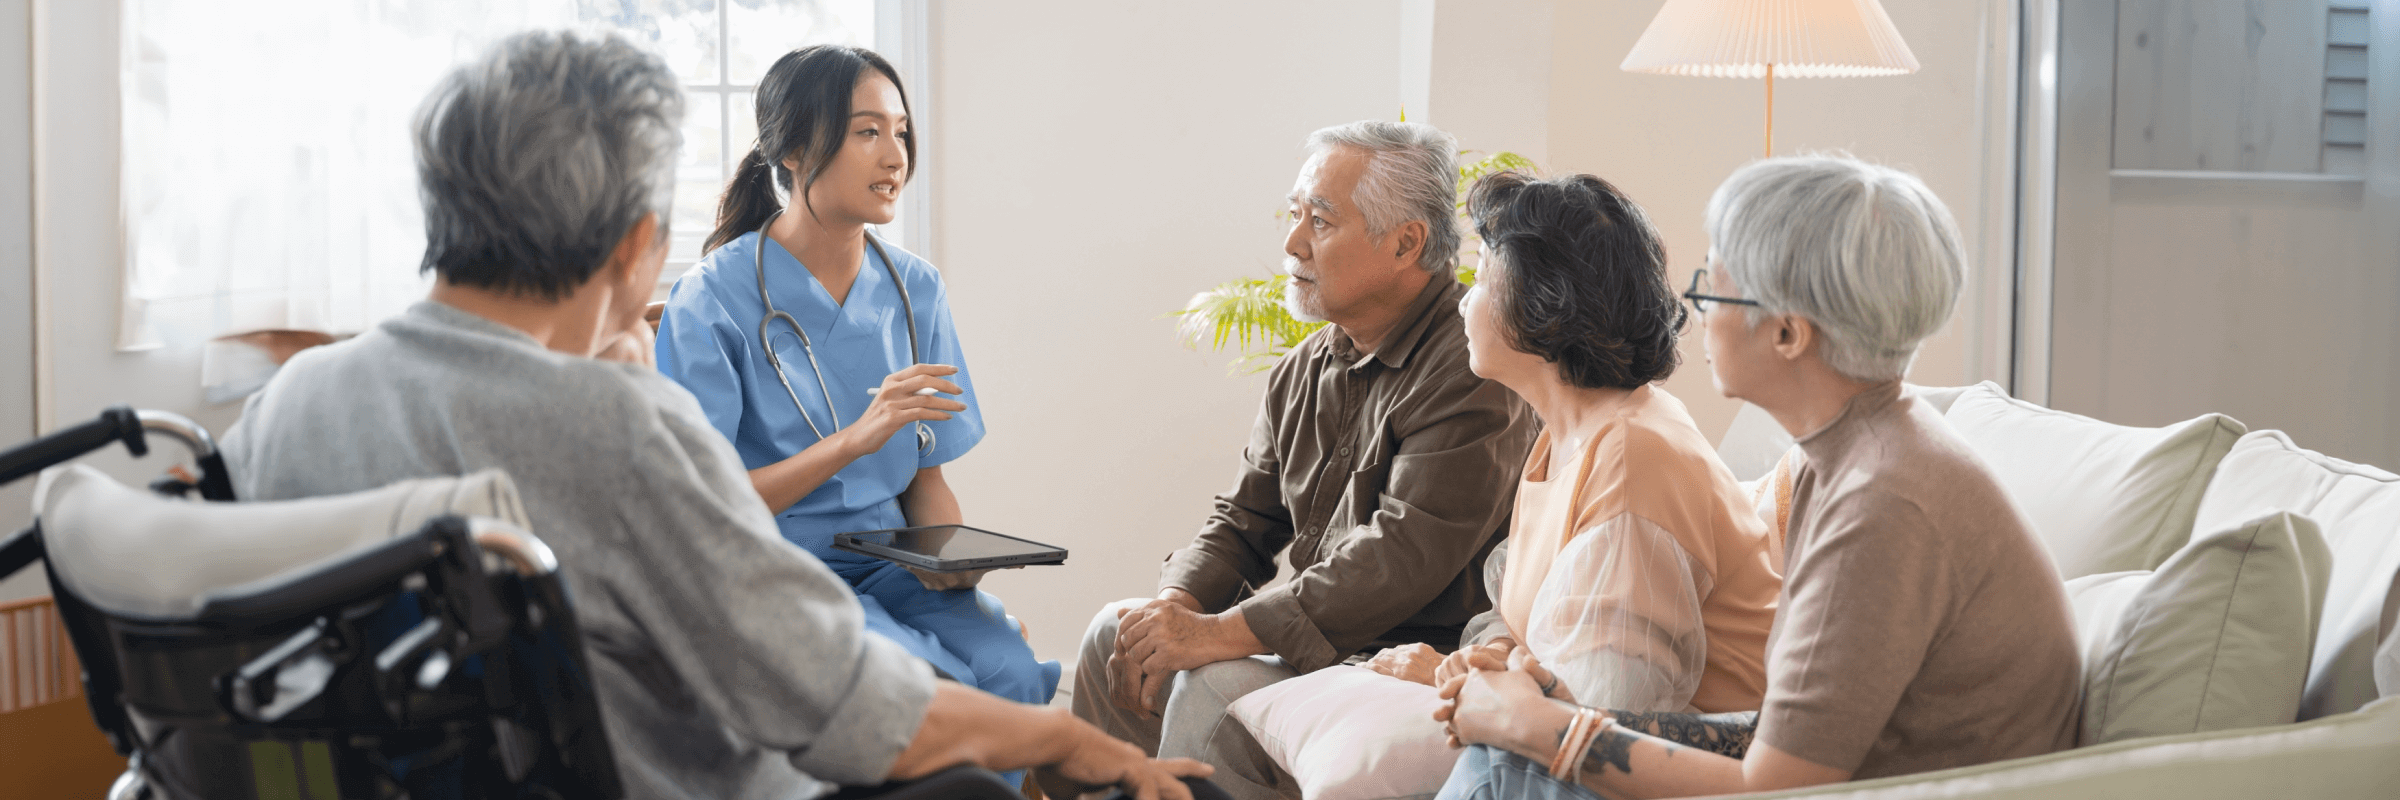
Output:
x=267 y=176
x=268 y=180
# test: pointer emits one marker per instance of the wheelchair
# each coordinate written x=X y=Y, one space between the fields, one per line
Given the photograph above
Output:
x=429 y=654
x=426 y=649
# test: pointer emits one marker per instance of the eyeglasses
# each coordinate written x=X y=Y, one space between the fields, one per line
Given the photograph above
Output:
x=1700 y=301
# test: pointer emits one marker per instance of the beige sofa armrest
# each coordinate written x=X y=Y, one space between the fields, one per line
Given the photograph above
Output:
x=2347 y=755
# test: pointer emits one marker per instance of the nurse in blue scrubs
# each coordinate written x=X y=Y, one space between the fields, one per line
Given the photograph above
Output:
x=834 y=135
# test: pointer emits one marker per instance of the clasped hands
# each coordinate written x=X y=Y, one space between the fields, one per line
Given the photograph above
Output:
x=1482 y=687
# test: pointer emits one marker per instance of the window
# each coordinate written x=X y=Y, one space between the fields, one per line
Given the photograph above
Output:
x=268 y=180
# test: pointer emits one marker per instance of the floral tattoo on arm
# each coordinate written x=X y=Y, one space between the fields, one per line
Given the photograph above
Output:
x=1726 y=734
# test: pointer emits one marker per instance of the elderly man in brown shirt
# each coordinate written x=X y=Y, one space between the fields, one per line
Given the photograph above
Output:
x=1380 y=465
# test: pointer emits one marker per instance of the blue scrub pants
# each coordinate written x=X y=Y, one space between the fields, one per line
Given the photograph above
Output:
x=963 y=632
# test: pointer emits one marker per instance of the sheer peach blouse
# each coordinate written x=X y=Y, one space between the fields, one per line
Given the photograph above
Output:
x=1637 y=570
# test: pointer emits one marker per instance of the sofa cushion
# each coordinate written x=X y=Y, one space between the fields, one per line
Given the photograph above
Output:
x=2102 y=497
x=2217 y=638
x=1347 y=733
x=2358 y=508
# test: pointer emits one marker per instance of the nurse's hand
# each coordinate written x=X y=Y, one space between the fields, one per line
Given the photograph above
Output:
x=897 y=405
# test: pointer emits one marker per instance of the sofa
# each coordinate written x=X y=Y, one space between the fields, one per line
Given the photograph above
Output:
x=2234 y=594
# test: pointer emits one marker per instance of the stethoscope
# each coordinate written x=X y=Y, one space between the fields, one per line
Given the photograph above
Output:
x=908 y=312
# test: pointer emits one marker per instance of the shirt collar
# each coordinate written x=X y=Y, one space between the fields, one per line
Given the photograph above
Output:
x=1419 y=316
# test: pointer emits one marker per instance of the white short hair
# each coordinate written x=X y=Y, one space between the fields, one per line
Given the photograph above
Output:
x=1864 y=252
x=1412 y=173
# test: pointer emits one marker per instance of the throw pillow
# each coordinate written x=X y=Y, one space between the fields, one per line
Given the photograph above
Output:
x=1348 y=733
x=2358 y=507
x=2102 y=497
x=2217 y=638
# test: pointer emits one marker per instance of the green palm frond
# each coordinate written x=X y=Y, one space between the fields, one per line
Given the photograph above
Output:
x=1249 y=313
x=1502 y=161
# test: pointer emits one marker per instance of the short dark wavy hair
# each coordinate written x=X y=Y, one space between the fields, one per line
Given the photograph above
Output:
x=1585 y=284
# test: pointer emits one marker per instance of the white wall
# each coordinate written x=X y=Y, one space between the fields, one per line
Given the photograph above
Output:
x=1667 y=141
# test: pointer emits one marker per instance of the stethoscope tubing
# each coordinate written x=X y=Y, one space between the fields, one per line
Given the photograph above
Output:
x=908 y=314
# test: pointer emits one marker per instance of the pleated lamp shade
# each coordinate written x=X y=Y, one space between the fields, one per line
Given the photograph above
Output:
x=1800 y=38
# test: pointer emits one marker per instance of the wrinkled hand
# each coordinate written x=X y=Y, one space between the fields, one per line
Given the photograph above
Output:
x=1489 y=655
x=1481 y=704
x=1100 y=761
x=897 y=405
x=944 y=581
x=1415 y=663
x=1155 y=640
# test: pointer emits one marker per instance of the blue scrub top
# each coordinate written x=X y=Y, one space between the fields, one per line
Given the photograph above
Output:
x=708 y=341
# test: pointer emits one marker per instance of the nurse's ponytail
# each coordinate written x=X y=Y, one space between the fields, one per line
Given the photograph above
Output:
x=803 y=111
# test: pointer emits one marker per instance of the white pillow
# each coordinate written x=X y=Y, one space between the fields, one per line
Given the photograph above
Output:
x=2216 y=639
x=1348 y=733
x=2358 y=507
x=2102 y=497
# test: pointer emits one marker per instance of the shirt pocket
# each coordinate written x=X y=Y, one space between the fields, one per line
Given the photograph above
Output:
x=1361 y=497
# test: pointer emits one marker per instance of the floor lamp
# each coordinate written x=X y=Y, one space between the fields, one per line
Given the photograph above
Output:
x=1767 y=38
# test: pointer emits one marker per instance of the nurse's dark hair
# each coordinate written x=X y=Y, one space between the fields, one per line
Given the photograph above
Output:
x=536 y=158
x=1582 y=279
x=803 y=114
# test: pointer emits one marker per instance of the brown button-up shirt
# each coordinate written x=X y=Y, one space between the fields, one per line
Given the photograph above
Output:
x=1388 y=475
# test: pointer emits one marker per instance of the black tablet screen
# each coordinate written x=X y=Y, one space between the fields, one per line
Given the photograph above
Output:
x=952 y=543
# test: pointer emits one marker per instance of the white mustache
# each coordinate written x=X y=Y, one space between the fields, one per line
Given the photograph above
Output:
x=1291 y=266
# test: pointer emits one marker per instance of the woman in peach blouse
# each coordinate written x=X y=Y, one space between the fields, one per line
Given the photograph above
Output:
x=1637 y=572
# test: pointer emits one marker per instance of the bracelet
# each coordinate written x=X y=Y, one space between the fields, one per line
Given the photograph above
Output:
x=1567 y=763
x=1598 y=727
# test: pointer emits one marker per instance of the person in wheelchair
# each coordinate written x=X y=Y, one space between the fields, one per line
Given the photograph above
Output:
x=729 y=662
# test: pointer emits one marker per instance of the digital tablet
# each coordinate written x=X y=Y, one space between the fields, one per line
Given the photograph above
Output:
x=949 y=548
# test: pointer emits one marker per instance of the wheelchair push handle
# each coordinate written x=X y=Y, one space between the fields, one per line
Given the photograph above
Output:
x=115 y=424
x=123 y=424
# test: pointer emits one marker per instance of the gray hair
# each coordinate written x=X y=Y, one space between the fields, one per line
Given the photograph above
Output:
x=1412 y=174
x=536 y=158
x=1864 y=252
